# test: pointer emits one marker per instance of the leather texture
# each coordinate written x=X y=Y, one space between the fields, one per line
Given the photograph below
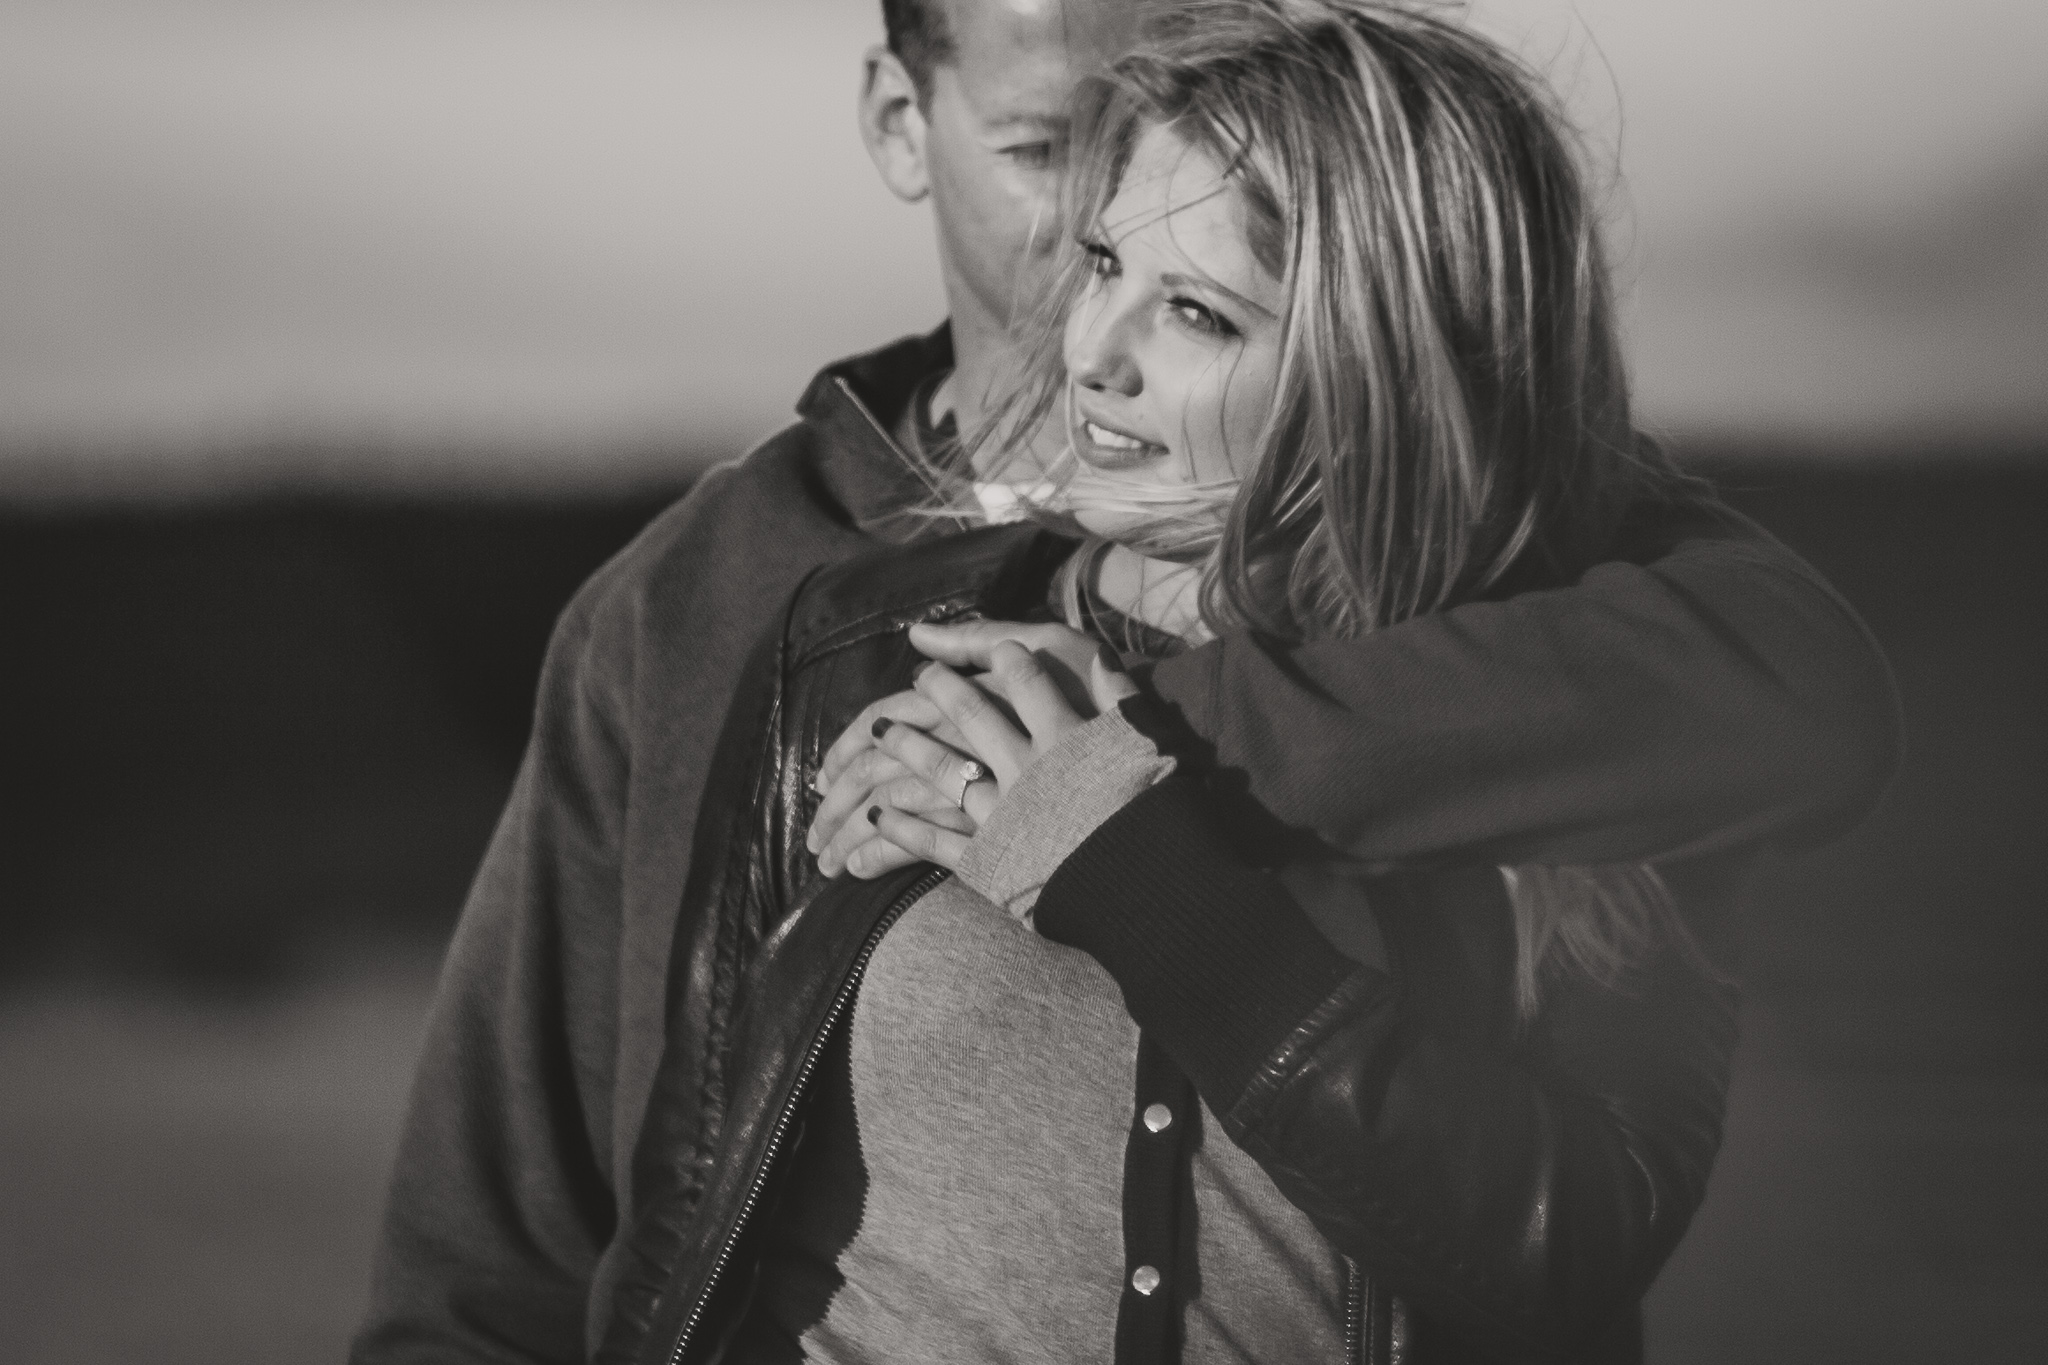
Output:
x=1444 y=1193
x=841 y=645
x=1429 y=1135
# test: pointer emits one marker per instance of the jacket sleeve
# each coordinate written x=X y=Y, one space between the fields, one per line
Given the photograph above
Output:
x=1705 y=690
x=1520 y=1194
x=501 y=1200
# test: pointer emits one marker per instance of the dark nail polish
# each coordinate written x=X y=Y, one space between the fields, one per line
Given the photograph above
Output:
x=874 y=815
x=880 y=727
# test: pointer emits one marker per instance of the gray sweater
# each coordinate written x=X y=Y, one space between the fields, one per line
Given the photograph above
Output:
x=992 y=1074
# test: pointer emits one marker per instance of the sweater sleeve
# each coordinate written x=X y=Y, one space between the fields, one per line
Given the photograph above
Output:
x=1520 y=1193
x=1708 y=692
x=1062 y=798
x=501 y=1200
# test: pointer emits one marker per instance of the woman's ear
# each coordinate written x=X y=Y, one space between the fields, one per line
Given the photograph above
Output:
x=892 y=125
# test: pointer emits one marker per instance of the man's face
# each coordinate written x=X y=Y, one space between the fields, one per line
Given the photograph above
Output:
x=996 y=129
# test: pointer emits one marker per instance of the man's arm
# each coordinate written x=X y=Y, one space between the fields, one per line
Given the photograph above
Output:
x=502 y=1198
x=1714 y=692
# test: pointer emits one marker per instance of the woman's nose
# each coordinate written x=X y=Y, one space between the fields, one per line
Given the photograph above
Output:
x=1099 y=353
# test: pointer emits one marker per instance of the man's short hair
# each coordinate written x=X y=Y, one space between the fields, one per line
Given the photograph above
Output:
x=920 y=37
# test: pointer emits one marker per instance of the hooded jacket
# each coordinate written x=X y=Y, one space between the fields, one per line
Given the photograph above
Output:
x=1703 y=690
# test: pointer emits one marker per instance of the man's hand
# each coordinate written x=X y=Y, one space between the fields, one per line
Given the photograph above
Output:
x=1063 y=652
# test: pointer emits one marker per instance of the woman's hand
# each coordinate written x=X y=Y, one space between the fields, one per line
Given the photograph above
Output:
x=1063 y=651
x=921 y=797
x=856 y=774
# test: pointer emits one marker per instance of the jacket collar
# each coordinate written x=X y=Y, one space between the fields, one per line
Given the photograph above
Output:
x=853 y=406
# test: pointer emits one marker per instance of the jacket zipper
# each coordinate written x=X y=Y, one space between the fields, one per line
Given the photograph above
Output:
x=803 y=1080
x=1354 y=1314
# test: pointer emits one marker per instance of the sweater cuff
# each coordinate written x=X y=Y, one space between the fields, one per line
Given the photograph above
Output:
x=1213 y=957
x=1063 y=797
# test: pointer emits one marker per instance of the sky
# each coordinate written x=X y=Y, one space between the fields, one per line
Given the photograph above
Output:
x=406 y=240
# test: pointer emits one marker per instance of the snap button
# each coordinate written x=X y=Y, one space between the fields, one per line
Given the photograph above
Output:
x=1158 y=1118
x=1144 y=1279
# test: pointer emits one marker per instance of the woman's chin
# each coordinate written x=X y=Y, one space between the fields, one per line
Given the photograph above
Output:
x=1109 y=525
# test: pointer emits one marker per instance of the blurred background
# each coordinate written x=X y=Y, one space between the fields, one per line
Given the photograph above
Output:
x=339 y=339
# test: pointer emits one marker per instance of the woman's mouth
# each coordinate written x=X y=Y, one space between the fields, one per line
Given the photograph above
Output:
x=1107 y=448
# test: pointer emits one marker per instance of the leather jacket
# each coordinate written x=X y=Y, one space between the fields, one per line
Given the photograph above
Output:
x=1507 y=1194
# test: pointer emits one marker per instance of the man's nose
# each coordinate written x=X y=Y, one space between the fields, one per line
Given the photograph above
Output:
x=1099 y=357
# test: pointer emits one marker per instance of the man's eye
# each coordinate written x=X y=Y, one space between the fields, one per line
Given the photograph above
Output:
x=1102 y=262
x=1202 y=317
x=1031 y=156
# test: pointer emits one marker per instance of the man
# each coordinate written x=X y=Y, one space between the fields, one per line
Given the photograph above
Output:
x=1737 y=699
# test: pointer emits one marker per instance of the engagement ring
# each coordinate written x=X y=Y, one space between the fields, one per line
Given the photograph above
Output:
x=971 y=772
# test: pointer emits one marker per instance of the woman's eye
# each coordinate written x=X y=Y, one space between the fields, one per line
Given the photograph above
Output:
x=1031 y=156
x=1201 y=317
x=1102 y=262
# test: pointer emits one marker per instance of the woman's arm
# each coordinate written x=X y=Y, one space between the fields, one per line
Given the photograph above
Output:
x=1522 y=1195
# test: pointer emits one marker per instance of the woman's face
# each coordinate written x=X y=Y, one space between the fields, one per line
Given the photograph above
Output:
x=1173 y=350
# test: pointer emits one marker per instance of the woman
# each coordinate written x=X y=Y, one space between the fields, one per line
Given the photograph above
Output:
x=1333 y=351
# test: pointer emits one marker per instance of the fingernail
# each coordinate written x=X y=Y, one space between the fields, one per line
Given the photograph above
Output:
x=818 y=784
x=880 y=727
x=874 y=815
x=922 y=668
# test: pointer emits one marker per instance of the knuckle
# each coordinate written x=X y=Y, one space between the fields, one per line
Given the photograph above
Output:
x=923 y=757
x=906 y=793
x=1018 y=663
x=872 y=856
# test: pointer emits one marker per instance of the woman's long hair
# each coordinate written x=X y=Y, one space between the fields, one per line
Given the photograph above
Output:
x=1452 y=417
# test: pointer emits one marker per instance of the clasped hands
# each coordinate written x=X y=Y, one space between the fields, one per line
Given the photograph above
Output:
x=918 y=773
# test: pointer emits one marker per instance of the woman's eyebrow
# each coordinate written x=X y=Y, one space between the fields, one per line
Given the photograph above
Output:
x=1179 y=281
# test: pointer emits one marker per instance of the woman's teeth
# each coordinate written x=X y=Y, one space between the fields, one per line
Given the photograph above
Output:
x=1111 y=440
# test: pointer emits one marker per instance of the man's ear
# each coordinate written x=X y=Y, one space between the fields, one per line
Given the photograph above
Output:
x=892 y=125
